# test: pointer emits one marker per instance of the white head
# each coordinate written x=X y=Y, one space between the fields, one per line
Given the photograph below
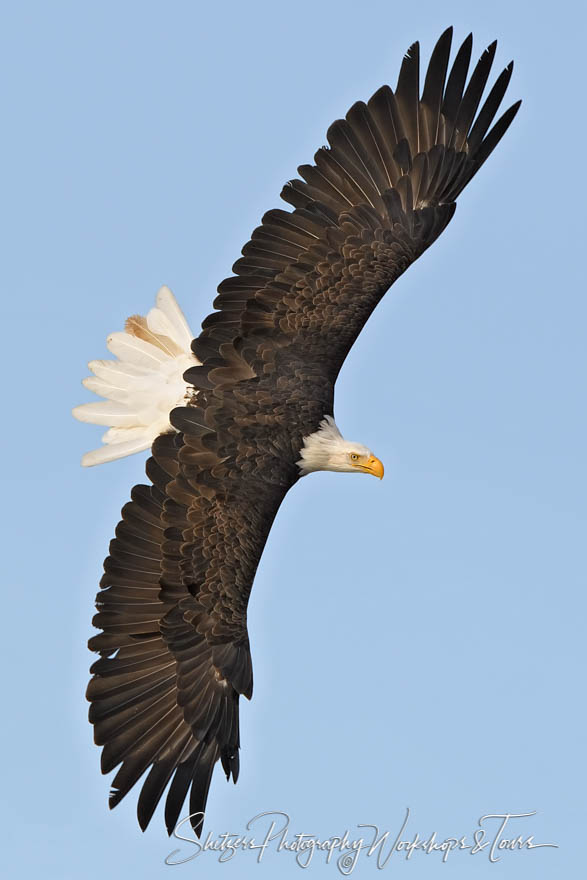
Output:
x=327 y=450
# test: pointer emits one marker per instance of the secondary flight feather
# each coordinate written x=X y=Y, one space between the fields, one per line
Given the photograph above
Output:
x=235 y=417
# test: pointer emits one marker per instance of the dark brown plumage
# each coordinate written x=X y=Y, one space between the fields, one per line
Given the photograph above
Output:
x=174 y=646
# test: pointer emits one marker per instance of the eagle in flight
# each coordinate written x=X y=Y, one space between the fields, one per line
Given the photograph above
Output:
x=235 y=416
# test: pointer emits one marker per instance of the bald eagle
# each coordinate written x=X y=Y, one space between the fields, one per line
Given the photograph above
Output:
x=235 y=417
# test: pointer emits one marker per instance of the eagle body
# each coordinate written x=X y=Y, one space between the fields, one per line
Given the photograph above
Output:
x=237 y=415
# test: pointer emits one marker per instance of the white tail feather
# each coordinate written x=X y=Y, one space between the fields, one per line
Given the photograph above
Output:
x=107 y=412
x=136 y=351
x=123 y=435
x=115 y=450
x=167 y=303
x=109 y=370
x=107 y=389
x=143 y=385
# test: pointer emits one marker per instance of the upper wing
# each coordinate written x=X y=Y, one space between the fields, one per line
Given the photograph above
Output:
x=373 y=202
x=175 y=650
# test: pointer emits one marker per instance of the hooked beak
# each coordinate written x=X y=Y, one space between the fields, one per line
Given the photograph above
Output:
x=374 y=466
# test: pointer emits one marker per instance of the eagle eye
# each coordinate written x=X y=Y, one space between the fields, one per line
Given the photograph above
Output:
x=354 y=456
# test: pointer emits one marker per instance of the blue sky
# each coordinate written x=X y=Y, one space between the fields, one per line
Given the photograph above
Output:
x=416 y=642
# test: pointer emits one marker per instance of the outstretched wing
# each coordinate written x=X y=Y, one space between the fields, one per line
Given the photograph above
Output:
x=172 y=607
x=372 y=203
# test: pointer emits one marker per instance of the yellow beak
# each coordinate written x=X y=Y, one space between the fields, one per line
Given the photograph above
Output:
x=373 y=466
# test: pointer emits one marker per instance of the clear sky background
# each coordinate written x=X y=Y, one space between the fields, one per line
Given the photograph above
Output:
x=417 y=642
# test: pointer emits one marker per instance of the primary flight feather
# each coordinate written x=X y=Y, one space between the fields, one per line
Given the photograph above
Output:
x=237 y=415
